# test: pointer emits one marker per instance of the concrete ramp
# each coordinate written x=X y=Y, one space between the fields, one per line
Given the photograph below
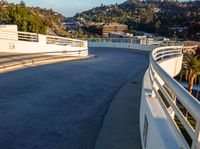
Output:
x=63 y=105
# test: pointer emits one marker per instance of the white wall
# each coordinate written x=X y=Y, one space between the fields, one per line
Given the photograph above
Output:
x=141 y=47
x=9 y=43
x=175 y=65
x=17 y=46
x=12 y=28
x=161 y=134
x=172 y=66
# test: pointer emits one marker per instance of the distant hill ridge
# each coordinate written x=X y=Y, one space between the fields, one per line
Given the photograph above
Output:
x=154 y=17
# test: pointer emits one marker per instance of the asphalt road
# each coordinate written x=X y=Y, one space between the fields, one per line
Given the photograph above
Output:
x=63 y=105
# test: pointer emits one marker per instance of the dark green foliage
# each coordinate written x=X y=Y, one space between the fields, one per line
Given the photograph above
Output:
x=29 y=19
x=198 y=51
x=94 y=29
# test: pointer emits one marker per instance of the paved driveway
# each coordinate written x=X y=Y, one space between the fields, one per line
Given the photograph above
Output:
x=63 y=105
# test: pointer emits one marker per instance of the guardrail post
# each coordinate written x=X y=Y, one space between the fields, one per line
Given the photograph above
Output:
x=162 y=56
x=37 y=38
x=86 y=44
x=153 y=94
x=196 y=141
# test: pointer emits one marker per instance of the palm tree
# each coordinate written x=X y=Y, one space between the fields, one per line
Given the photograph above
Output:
x=191 y=70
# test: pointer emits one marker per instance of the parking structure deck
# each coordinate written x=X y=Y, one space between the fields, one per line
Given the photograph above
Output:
x=64 y=105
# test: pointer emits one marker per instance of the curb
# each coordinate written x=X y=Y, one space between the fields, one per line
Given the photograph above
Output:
x=17 y=65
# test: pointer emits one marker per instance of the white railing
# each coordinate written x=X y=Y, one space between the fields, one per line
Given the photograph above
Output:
x=122 y=40
x=23 y=36
x=64 y=41
x=168 y=91
x=33 y=37
x=24 y=42
x=134 y=41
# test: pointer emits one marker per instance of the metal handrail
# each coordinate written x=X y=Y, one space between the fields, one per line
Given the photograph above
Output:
x=23 y=36
x=33 y=37
x=132 y=40
x=64 y=41
x=189 y=101
x=186 y=99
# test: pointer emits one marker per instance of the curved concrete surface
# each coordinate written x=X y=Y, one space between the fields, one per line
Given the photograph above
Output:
x=63 y=105
x=120 y=129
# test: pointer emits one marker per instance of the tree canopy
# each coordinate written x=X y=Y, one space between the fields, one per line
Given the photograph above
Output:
x=28 y=19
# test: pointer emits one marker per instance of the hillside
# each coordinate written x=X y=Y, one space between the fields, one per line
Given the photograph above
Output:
x=162 y=18
x=153 y=17
x=32 y=19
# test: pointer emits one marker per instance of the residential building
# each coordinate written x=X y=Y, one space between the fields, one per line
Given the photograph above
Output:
x=114 y=27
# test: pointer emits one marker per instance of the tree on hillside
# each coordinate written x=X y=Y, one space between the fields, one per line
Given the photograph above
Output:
x=18 y=15
x=26 y=20
x=158 y=25
x=3 y=14
x=198 y=51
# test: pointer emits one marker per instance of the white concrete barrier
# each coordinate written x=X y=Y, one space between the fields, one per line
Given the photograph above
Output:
x=140 y=47
x=23 y=42
x=158 y=108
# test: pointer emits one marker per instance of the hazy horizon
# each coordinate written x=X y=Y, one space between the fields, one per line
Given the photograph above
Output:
x=63 y=7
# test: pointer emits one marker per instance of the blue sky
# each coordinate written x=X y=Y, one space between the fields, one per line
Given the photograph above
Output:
x=67 y=7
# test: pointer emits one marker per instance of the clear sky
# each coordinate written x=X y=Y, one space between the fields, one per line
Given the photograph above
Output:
x=67 y=7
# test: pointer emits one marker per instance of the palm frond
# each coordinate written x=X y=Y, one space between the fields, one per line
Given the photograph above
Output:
x=191 y=67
